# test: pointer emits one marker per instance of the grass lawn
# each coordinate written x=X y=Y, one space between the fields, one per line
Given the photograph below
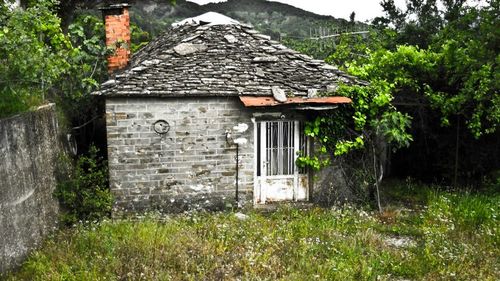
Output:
x=432 y=236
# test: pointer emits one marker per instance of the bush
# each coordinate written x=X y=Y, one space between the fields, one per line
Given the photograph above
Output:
x=35 y=56
x=85 y=195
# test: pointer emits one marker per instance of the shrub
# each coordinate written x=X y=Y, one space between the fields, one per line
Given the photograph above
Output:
x=85 y=195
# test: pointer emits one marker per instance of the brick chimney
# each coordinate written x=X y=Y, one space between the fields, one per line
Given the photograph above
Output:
x=117 y=26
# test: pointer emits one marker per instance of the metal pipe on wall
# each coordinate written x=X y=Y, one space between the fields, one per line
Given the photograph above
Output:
x=237 y=172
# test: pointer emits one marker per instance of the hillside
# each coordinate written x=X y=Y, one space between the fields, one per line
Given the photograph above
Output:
x=272 y=18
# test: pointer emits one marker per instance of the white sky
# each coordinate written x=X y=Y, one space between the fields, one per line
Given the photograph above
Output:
x=364 y=9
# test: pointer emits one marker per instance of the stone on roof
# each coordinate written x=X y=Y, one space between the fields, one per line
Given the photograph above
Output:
x=211 y=18
x=221 y=59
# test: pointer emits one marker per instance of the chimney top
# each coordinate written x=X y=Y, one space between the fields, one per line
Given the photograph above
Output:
x=114 y=6
x=117 y=27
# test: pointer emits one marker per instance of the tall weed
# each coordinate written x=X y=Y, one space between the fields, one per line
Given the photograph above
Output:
x=85 y=196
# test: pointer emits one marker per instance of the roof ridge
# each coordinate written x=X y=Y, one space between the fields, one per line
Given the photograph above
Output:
x=208 y=18
x=221 y=60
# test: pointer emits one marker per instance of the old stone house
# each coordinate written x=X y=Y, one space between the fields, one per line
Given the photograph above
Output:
x=208 y=113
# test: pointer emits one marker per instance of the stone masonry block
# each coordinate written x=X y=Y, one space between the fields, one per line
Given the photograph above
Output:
x=192 y=157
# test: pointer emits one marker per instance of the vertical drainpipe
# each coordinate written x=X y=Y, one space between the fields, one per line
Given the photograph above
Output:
x=237 y=172
x=240 y=128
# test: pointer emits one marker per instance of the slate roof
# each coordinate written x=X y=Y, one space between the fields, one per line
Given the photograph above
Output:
x=221 y=60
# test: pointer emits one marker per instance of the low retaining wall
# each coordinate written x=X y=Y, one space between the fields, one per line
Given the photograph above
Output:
x=29 y=148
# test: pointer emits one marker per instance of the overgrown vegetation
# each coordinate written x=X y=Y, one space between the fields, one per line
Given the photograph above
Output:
x=434 y=235
x=41 y=63
x=33 y=56
x=85 y=196
x=432 y=94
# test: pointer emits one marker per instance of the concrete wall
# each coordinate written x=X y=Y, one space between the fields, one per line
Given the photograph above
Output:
x=190 y=167
x=29 y=147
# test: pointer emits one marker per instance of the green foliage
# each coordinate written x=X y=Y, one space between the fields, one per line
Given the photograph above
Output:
x=88 y=65
x=86 y=196
x=469 y=60
x=88 y=68
x=33 y=56
x=372 y=118
x=344 y=146
x=318 y=49
x=357 y=48
x=41 y=63
x=314 y=162
x=374 y=115
x=449 y=236
x=328 y=130
x=394 y=125
x=441 y=78
x=418 y=22
x=457 y=72
x=140 y=38
x=451 y=74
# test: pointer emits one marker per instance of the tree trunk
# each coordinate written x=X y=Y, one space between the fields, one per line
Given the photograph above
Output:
x=378 y=172
x=457 y=143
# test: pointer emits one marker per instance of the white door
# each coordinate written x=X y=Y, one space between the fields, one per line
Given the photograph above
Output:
x=278 y=146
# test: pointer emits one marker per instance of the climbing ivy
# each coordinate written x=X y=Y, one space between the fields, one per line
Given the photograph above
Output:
x=371 y=115
x=372 y=123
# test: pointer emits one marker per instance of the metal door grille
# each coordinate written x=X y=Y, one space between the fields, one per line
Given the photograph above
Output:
x=280 y=148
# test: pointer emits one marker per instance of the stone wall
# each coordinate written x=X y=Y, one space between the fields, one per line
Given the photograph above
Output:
x=29 y=148
x=330 y=186
x=192 y=166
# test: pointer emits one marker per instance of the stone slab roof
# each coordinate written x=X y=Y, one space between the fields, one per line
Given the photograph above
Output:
x=221 y=60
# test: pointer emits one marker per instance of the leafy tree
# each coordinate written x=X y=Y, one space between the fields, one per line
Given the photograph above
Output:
x=356 y=48
x=352 y=17
x=416 y=24
x=447 y=67
x=33 y=56
x=41 y=63
x=88 y=68
x=469 y=50
x=457 y=74
x=453 y=74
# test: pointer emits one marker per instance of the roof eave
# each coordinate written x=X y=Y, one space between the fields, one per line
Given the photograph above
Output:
x=250 y=101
